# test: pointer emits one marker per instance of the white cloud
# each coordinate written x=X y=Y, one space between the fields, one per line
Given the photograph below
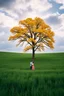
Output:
x=7 y=21
x=39 y=5
x=12 y=13
x=60 y=1
x=60 y=29
x=3 y=37
x=62 y=7
x=2 y=33
x=24 y=8
x=56 y=21
x=47 y=15
x=59 y=43
x=62 y=18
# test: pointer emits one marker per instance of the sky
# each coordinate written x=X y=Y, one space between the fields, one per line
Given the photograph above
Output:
x=11 y=11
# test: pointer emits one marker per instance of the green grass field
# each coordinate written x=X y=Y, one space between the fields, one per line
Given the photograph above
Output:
x=16 y=79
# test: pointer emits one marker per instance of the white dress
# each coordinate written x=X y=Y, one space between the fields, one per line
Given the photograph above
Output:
x=30 y=64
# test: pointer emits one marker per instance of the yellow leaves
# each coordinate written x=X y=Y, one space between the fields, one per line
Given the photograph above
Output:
x=38 y=20
x=22 y=22
x=50 y=44
x=16 y=29
x=11 y=38
x=50 y=33
x=40 y=23
x=27 y=48
x=19 y=30
x=43 y=32
x=44 y=26
x=30 y=21
x=52 y=39
x=39 y=30
x=33 y=31
x=31 y=40
x=41 y=46
x=16 y=36
x=27 y=22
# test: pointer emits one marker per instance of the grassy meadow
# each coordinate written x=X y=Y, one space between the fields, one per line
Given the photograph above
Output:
x=16 y=78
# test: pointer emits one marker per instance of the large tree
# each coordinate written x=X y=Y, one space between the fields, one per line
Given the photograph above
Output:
x=35 y=32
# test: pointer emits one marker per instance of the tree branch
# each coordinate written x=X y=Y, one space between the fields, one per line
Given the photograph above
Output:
x=36 y=47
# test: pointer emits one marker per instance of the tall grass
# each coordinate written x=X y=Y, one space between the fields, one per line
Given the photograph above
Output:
x=16 y=79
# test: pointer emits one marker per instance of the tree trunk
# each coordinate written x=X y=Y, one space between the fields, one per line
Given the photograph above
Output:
x=33 y=54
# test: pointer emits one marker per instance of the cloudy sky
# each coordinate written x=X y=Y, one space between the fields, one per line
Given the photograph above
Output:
x=11 y=11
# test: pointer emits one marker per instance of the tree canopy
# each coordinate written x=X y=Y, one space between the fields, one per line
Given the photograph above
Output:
x=35 y=32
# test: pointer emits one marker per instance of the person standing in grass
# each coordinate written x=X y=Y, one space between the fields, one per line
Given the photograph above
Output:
x=33 y=68
x=30 y=65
